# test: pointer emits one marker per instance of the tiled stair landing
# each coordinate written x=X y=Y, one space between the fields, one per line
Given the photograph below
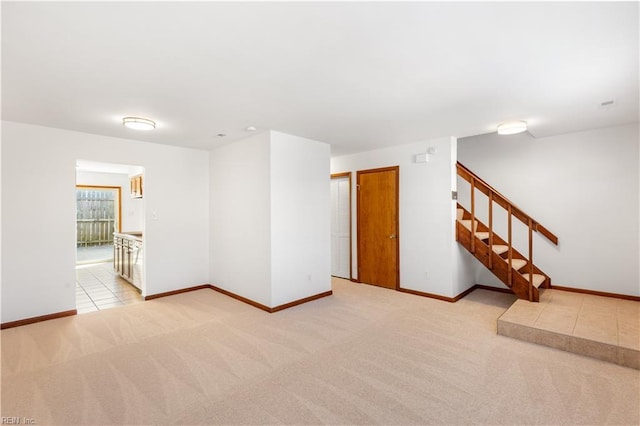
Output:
x=598 y=327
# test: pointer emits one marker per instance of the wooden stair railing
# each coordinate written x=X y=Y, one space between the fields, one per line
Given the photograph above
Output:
x=515 y=270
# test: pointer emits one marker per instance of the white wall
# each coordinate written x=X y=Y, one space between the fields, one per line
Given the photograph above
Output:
x=1 y=231
x=132 y=208
x=584 y=187
x=429 y=256
x=240 y=258
x=270 y=218
x=300 y=218
x=38 y=257
x=466 y=264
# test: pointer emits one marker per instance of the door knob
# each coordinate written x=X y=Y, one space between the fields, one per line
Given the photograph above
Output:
x=392 y=236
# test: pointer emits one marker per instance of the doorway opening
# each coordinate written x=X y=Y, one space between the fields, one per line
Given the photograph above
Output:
x=109 y=235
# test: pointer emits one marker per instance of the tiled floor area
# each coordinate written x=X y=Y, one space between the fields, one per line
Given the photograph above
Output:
x=601 y=327
x=98 y=287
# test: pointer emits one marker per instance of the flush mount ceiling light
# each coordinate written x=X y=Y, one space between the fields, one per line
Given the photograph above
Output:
x=138 y=123
x=512 y=127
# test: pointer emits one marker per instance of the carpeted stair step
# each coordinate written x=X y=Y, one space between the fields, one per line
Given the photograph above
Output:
x=459 y=214
x=467 y=224
x=517 y=263
x=499 y=249
x=482 y=235
x=537 y=279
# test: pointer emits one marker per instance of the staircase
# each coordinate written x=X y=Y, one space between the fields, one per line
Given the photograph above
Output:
x=515 y=270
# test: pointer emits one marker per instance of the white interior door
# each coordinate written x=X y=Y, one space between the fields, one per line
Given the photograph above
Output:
x=340 y=227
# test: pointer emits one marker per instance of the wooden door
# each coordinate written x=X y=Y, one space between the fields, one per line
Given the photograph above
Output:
x=378 y=247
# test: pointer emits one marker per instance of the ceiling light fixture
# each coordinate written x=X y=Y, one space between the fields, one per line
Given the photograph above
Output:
x=138 y=123
x=512 y=127
x=251 y=129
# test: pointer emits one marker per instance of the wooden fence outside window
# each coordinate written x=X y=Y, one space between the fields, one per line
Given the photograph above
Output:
x=96 y=215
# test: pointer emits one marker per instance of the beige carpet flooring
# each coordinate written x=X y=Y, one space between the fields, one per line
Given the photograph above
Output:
x=365 y=355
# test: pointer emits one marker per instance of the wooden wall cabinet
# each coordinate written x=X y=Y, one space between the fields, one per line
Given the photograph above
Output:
x=136 y=186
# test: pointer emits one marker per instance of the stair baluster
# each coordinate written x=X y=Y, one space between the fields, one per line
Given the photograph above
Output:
x=473 y=215
x=510 y=244
x=530 y=260
x=491 y=230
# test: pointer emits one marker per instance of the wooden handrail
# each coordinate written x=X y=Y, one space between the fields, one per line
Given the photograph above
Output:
x=504 y=202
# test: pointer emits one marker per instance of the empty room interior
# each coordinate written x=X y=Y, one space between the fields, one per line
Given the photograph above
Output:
x=320 y=213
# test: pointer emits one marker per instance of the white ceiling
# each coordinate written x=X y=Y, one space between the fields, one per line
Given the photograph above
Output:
x=100 y=167
x=358 y=75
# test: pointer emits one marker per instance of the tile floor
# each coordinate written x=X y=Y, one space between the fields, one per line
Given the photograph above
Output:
x=98 y=287
x=577 y=322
